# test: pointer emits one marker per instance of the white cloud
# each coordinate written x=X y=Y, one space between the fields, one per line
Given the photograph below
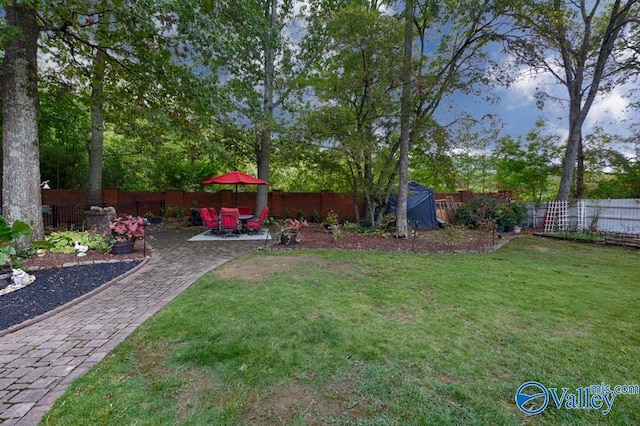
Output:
x=520 y=93
x=610 y=108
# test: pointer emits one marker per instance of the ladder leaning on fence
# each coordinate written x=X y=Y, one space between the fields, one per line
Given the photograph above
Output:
x=556 y=217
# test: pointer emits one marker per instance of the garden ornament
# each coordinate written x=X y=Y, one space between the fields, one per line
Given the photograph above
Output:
x=21 y=278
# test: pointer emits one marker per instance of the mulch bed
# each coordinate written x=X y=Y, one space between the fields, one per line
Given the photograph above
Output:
x=447 y=240
x=61 y=278
x=55 y=287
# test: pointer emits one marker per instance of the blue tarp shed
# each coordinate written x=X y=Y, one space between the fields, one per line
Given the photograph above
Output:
x=421 y=206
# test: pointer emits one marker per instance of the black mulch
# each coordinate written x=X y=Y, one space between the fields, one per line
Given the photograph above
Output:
x=55 y=287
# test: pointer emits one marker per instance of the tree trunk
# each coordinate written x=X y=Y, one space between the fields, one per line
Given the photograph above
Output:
x=96 y=150
x=264 y=156
x=401 y=218
x=22 y=199
x=263 y=169
x=571 y=153
x=580 y=171
x=370 y=189
x=577 y=70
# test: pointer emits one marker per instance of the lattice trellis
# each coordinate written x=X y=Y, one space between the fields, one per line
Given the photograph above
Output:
x=556 y=217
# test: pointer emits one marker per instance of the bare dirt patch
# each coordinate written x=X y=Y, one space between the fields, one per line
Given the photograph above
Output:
x=262 y=266
x=295 y=403
x=257 y=268
x=541 y=249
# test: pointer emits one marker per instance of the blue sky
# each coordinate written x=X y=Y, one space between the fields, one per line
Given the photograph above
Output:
x=518 y=111
x=519 y=108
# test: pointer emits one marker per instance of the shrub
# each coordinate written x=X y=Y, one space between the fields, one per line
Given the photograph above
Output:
x=510 y=214
x=388 y=223
x=477 y=213
x=9 y=238
x=486 y=212
x=64 y=241
x=331 y=219
x=465 y=216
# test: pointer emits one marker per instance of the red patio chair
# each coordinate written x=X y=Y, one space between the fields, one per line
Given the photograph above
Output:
x=256 y=225
x=230 y=219
x=210 y=219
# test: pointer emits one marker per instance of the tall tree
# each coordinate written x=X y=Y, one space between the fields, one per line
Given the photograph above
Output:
x=405 y=106
x=358 y=90
x=101 y=45
x=360 y=86
x=131 y=62
x=63 y=129
x=579 y=44
x=21 y=197
x=524 y=166
x=264 y=47
x=612 y=166
x=96 y=146
x=269 y=46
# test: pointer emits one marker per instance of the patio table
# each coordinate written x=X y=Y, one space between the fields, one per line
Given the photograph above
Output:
x=243 y=219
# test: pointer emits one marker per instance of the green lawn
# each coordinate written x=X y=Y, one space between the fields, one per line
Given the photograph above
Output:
x=338 y=337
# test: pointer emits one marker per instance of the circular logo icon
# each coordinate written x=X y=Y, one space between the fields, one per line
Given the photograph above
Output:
x=532 y=398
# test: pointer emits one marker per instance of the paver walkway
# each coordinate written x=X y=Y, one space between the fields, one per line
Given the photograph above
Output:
x=38 y=362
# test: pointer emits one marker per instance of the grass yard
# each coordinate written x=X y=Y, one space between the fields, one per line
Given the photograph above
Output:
x=347 y=337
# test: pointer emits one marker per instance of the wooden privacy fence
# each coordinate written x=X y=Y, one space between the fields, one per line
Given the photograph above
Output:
x=605 y=216
x=69 y=205
x=65 y=208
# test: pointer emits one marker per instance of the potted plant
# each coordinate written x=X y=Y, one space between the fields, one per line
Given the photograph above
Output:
x=291 y=231
x=509 y=215
x=124 y=231
x=331 y=221
x=152 y=219
x=520 y=212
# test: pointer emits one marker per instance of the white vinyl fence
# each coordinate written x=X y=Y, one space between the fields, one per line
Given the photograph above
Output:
x=610 y=216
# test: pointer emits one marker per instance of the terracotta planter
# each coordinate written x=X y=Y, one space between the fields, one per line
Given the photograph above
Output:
x=123 y=247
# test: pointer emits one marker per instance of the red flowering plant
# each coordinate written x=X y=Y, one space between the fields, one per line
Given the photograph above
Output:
x=292 y=229
x=127 y=228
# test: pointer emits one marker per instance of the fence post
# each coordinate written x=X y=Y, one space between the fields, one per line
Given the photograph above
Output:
x=54 y=216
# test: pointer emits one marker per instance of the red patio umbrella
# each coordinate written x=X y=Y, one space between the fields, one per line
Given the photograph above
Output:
x=235 y=178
